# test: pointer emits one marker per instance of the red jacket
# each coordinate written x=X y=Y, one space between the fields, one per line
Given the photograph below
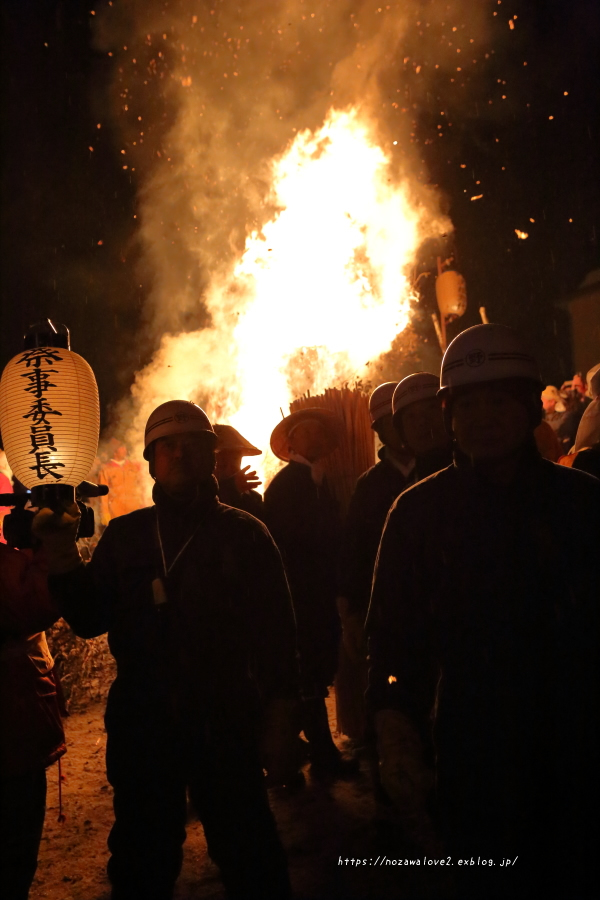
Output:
x=31 y=733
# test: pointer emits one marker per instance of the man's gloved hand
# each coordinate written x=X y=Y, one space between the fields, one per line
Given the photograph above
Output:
x=58 y=534
x=246 y=481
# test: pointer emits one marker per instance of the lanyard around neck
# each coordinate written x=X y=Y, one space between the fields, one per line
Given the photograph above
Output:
x=162 y=552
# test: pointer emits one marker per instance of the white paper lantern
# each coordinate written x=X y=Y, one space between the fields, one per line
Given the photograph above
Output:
x=49 y=416
x=451 y=294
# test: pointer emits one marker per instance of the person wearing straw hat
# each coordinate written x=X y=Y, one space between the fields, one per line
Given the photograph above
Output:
x=483 y=635
x=303 y=518
x=236 y=484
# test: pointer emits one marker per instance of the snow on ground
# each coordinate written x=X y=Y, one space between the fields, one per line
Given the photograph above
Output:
x=318 y=825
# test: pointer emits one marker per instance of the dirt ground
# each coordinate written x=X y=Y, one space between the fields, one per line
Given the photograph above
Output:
x=318 y=825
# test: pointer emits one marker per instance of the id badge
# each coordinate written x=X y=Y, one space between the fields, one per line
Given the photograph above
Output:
x=158 y=592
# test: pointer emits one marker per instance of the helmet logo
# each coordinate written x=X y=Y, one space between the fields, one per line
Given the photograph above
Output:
x=180 y=417
x=475 y=358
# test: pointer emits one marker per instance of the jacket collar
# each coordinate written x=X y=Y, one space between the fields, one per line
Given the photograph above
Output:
x=529 y=464
x=204 y=500
x=428 y=463
x=316 y=469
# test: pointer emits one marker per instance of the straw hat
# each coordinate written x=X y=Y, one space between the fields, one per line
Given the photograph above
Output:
x=332 y=424
x=230 y=439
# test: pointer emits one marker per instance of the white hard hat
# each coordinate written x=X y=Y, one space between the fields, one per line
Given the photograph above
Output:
x=380 y=401
x=486 y=353
x=175 y=417
x=420 y=386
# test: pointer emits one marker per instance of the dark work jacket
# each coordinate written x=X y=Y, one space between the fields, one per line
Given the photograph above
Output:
x=484 y=620
x=305 y=523
x=250 y=501
x=222 y=643
x=373 y=496
x=31 y=731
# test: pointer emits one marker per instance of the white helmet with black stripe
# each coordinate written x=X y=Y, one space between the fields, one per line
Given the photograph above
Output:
x=486 y=353
x=380 y=401
x=420 y=386
x=176 y=417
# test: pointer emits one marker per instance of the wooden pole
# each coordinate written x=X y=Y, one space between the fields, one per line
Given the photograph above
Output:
x=438 y=331
x=440 y=327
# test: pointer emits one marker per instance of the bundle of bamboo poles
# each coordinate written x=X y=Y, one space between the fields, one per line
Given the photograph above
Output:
x=356 y=452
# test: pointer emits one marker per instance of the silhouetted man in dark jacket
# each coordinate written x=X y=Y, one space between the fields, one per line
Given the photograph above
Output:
x=484 y=622
x=195 y=601
x=304 y=519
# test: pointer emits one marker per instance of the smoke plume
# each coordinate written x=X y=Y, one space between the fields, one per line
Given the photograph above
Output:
x=210 y=96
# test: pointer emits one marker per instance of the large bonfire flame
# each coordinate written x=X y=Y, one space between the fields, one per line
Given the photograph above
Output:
x=332 y=212
x=325 y=275
x=318 y=293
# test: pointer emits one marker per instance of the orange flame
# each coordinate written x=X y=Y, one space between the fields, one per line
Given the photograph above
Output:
x=318 y=293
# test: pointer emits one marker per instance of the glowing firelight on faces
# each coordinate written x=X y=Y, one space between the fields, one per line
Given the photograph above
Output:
x=327 y=275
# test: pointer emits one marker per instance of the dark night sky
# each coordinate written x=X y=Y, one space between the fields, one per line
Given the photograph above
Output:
x=59 y=200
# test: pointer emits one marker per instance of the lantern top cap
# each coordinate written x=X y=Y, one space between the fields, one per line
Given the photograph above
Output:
x=46 y=333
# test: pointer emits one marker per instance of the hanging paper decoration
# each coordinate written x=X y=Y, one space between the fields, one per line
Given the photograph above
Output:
x=451 y=294
x=49 y=416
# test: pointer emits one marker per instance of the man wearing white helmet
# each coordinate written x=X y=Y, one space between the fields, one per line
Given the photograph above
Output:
x=407 y=418
x=475 y=628
x=418 y=419
x=195 y=601
x=373 y=495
